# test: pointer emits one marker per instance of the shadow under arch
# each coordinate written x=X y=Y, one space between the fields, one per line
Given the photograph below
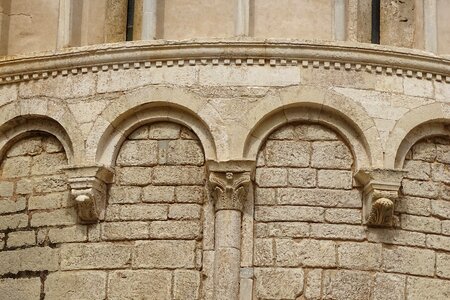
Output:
x=422 y=122
x=310 y=112
x=25 y=126
x=118 y=130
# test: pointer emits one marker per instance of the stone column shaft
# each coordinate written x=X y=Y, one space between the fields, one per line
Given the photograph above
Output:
x=229 y=184
x=149 y=20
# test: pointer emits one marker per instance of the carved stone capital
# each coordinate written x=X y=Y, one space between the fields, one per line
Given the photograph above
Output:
x=229 y=183
x=88 y=187
x=381 y=187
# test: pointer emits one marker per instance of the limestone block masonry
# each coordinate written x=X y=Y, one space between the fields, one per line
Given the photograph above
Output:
x=225 y=169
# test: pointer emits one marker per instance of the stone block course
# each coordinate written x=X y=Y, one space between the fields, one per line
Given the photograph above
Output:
x=138 y=153
x=129 y=212
x=319 y=197
x=331 y=155
x=124 y=194
x=175 y=230
x=289 y=213
x=79 y=285
x=282 y=229
x=360 y=256
x=344 y=284
x=64 y=216
x=334 y=179
x=338 y=232
x=389 y=287
x=287 y=154
x=13 y=221
x=302 y=177
x=409 y=261
x=30 y=259
x=125 y=230
x=170 y=254
x=278 y=283
x=178 y=175
x=305 y=253
x=12 y=206
x=77 y=233
x=21 y=238
x=21 y=288
x=418 y=288
x=443 y=265
x=186 y=284
x=421 y=224
x=140 y=284
x=343 y=215
x=95 y=256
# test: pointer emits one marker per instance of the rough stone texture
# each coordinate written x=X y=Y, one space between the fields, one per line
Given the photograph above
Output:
x=278 y=283
x=164 y=254
x=19 y=289
x=343 y=284
x=76 y=285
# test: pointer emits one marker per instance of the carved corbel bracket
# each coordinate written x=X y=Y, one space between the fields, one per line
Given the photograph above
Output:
x=88 y=188
x=229 y=183
x=381 y=187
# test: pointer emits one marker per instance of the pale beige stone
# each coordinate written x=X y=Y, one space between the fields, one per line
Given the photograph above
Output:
x=417 y=169
x=422 y=224
x=64 y=216
x=44 y=164
x=125 y=231
x=360 y=256
x=31 y=259
x=313 y=284
x=289 y=213
x=396 y=237
x=345 y=284
x=184 y=152
x=6 y=189
x=16 y=167
x=331 y=155
x=278 y=283
x=271 y=177
x=12 y=206
x=302 y=177
x=24 y=186
x=186 y=284
x=282 y=229
x=164 y=131
x=263 y=252
x=265 y=196
x=190 y=194
x=287 y=154
x=21 y=238
x=338 y=231
x=414 y=205
x=48 y=201
x=77 y=233
x=21 y=288
x=343 y=215
x=50 y=184
x=139 y=176
x=175 y=229
x=142 y=284
x=94 y=256
x=164 y=254
x=184 y=211
x=178 y=175
x=443 y=265
x=320 y=197
x=158 y=194
x=306 y=253
x=409 y=261
x=422 y=288
x=389 y=287
x=129 y=212
x=334 y=179
x=76 y=285
x=138 y=153
x=420 y=188
x=13 y=221
x=124 y=194
x=438 y=242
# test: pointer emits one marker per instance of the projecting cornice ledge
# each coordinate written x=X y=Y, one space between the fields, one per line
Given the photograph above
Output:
x=148 y=54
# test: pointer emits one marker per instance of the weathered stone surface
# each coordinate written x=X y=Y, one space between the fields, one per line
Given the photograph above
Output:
x=184 y=152
x=21 y=288
x=186 y=284
x=389 y=287
x=263 y=252
x=396 y=237
x=138 y=153
x=76 y=285
x=307 y=253
x=360 y=256
x=131 y=212
x=409 y=261
x=334 y=179
x=319 y=197
x=271 y=177
x=422 y=224
x=48 y=163
x=282 y=229
x=13 y=221
x=125 y=231
x=331 y=155
x=158 y=194
x=420 y=188
x=21 y=238
x=418 y=169
x=302 y=177
x=343 y=215
x=48 y=201
x=11 y=206
x=289 y=213
x=164 y=254
x=337 y=231
x=124 y=194
x=77 y=233
x=278 y=283
x=343 y=284
x=53 y=218
x=185 y=211
x=287 y=154
x=16 y=167
x=178 y=175
x=175 y=229
x=443 y=265
x=134 y=175
x=31 y=259
x=414 y=206
x=140 y=284
x=441 y=208
x=313 y=285
x=95 y=256
x=190 y=194
x=427 y=288
x=164 y=131
x=438 y=242
x=6 y=189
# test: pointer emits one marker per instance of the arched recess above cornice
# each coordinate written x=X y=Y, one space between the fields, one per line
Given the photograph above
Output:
x=422 y=122
x=26 y=116
x=115 y=133
x=30 y=125
x=321 y=106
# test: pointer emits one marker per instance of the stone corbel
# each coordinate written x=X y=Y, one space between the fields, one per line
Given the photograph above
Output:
x=381 y=187
x=229 y=183
x=88 y=188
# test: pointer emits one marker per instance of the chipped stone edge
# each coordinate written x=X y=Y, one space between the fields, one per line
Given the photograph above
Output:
x=343 y=56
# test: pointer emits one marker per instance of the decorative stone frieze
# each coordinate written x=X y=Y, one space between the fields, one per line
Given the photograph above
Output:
x=381 y=187
x=88 y=189
x=229 y=183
